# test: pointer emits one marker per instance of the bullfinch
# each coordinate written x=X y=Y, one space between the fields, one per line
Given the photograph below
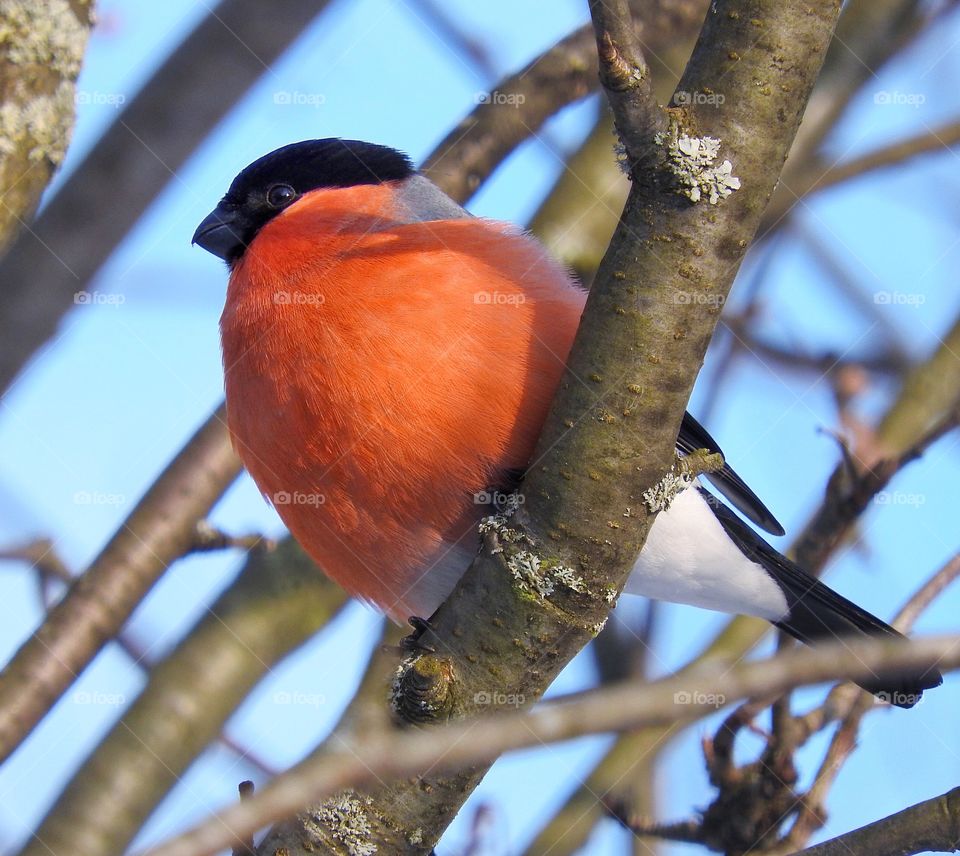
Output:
x=389 y=361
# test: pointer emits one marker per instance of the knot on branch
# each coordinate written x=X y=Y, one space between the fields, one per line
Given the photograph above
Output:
x=618 y=72
x=682 y=474
x=423 y=689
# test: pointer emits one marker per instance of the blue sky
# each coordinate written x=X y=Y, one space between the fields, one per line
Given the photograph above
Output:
x=99 y=413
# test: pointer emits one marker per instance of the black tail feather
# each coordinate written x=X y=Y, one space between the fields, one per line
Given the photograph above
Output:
x=818 y=613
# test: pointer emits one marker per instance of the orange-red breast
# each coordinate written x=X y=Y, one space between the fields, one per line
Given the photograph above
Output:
x=389 y=361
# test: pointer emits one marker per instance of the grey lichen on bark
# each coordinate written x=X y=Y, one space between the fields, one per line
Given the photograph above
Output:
x=41 y=50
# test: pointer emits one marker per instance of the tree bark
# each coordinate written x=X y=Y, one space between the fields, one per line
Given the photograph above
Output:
x=41 y=48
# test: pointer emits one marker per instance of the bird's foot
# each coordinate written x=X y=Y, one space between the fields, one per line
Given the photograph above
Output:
x=414 y=643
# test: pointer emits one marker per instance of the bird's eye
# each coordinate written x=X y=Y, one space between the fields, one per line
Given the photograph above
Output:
x=280 y=195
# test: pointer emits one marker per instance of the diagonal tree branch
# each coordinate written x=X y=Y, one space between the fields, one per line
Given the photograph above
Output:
x=630 y=705
x=279 y=601
x=50 y=569
x=157 y=532
x=613 y=426
x=814 y=175
x=933 y=825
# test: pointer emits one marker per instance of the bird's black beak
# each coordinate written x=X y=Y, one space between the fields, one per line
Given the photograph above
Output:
x=218 y=233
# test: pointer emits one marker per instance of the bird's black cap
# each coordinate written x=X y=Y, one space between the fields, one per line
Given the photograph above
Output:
x=271 y=183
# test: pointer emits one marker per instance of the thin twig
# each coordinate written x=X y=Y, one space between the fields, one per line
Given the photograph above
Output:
x=850 y=706
x=396 y=754
x=245 y=847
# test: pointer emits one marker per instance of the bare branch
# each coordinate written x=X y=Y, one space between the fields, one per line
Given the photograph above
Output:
x=405 y=752
x=279 y=601
x=245 y=847
x=815 y=175
x=157 y=532
x=850 y=708
x=559 y=76
x=626 y=78
x=50 y=568
x=852 y=487
x=927 y=594
x=933 y=825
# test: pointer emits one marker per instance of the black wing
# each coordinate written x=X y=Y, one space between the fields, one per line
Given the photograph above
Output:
x=694 y=436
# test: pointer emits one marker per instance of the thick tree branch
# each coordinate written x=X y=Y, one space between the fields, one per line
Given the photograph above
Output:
x=532 y=600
